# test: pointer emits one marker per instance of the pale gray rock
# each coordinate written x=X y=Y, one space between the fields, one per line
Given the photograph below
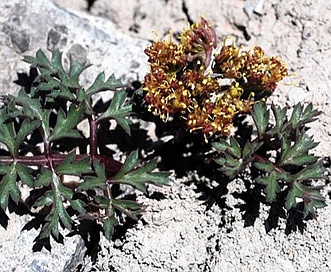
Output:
x=30 y=25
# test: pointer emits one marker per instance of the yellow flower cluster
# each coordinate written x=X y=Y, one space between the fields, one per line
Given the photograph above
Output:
x=251 y=69
x=183 y=78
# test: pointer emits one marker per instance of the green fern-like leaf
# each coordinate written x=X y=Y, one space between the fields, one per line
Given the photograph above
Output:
x=97 y=181
x=311 y=196
x=260 y=116
x=100 y=84
x=75 y=168
x=119 y=110
x=8 y=185
x=139 y=177
x=297 y=154
x=66 y=123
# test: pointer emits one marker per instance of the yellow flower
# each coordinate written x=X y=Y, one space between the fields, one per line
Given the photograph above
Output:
x=179 y=81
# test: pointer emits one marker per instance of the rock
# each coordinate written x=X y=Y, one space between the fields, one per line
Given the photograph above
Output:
x=297 y=95
x=30 y=25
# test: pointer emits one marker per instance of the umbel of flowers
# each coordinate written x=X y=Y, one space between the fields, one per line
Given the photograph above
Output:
x=186 y=78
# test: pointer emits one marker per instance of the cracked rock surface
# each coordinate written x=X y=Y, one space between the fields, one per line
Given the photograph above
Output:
x=180 y=232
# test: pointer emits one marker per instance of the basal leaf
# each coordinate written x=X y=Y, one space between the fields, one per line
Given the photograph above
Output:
x=76 y=168
x=51 y=226
x=98 y=181
x=221 y=145
x=264 y=166
x=110 y=223
x=309 y=114
x=44 y=178
x=232 y=162
x=56 y=63
x=31 y=108
x=25 y=174
x=296 y=114
x=280 y=117
x=102 y=201
x=27 y=127
x=312 y=171
x=8 y=186
x=119 y=110
x=220 y=161
x=58 y=212
x=234 y=149
x=304 y=160
x=139 y=177
x=311 y=196
x=78 y=205
x=100 y=85
x=65 y=124
x=128 y=207
x=40 y=60
x=228 y=171
x=7 y=132
x=75 y=70
x=272 y=186
x=300 y=148
x=68 y=193
x=260 y=116
x=130 y=163
x=45 y=200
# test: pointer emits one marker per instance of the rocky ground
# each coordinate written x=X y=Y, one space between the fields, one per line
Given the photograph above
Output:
x=180 y=231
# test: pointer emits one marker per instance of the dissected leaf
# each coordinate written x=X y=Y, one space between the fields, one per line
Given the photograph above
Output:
x=119 y=110
x=54 y=76
x=260 y=116
x=298 y=152
x=65 y=124
x=8 y=186
x=110 y=223
x=98 y=181
x=75 y=168
x=138 y=178
x=40 y=60
x=100 y=84
x=280 y=117
x=264 y=166
x=311 y=197
x=32 y=108
x=44 y=178
x=25 y=174
x=128 y=207
x=102 y=201
x=7 y=133
x=45 y=200
x=221 y=145
x=272 y=187
x=58 y=211
x=312 y=171
x=296 y=114
x=27 y=127
x=234 y=149
x=75 y=70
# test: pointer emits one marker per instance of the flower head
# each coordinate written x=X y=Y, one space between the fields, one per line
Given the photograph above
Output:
x=251 y=68
x=179 y=81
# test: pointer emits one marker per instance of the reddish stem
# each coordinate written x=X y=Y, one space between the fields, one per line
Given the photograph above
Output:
x=259 y=158
x=111 y=165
